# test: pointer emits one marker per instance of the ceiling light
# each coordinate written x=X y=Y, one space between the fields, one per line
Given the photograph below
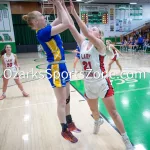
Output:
x=25 y=137
x=133 y=3
x=89 y=1
x=146 y=114
x=140 y=147
x=26 y=118
x=78 y=0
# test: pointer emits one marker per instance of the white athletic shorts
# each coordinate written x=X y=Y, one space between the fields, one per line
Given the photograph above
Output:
x=115 y=57
x=98 y=88
x=11 y=73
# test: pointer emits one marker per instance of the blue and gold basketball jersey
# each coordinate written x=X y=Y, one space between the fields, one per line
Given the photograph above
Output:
x=52 y=45
x=57 y=73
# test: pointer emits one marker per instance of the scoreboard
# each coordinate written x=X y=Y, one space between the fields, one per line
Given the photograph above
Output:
x=94 y=14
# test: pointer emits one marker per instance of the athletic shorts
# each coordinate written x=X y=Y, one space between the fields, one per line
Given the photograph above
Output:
x=10 y=73
x=58 y=75
x=78 y=55
x=115 y=57
x=101 y=88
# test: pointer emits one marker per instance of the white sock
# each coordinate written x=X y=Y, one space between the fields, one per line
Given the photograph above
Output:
x=97 y=120
x=124 y=135
x=4 y=94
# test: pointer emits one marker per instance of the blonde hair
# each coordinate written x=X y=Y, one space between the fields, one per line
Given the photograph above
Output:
x=29 y=17
x=102 y=34
x=109 y=41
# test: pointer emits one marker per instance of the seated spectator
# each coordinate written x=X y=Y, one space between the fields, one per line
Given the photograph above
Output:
x=146 y=44
x=134 y=36
x=136 y=44
x=131 y=44
x=124 y=44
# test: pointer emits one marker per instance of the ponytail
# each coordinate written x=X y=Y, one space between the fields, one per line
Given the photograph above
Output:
x=3 y=51
x=29 y=18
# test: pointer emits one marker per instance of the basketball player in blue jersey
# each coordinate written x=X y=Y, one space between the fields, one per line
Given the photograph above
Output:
x=92 y=53
x=77 y=57
x=57 y=72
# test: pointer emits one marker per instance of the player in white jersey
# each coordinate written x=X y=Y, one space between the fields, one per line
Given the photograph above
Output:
x=115 y=55
x=10 y=67
x=92 y=54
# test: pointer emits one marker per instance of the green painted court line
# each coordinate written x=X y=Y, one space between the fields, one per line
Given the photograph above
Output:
x=132 y=99
x=67 y=52
x=39 y=66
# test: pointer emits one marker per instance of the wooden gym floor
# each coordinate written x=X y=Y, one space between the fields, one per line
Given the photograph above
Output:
x=32 y=124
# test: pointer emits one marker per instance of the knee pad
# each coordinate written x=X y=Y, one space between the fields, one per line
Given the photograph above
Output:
x=68 y=99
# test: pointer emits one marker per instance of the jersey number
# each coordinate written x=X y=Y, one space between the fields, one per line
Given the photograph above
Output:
x=87 y=65
x=9 y=64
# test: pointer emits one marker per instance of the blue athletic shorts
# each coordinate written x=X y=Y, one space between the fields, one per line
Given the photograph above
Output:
x=58 y=75
x=78 y=55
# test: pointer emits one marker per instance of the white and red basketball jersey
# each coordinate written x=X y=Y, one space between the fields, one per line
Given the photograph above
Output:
x=115 y=54
x=92 y=61
x=9 y=61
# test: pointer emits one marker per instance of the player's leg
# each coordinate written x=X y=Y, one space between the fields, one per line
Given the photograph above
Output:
x=110 y=105
x=20 y=86
x=118 y=64
x=109 y=65
x=111 y=108
x=91 y=95
x=5 y=83
x=56 y=78
x=60 y=94
x=70 y=123
x=68 y=99
x=93 y=104
x=75 y=63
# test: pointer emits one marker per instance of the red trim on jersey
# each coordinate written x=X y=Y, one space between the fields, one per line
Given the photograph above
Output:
x=114 y=51
x=101 y=61
x=115 y=58
x=85 y=96
x=110 y=91
x=115 y=55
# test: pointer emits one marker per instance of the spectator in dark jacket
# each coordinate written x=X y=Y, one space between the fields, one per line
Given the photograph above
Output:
x=140 y=42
